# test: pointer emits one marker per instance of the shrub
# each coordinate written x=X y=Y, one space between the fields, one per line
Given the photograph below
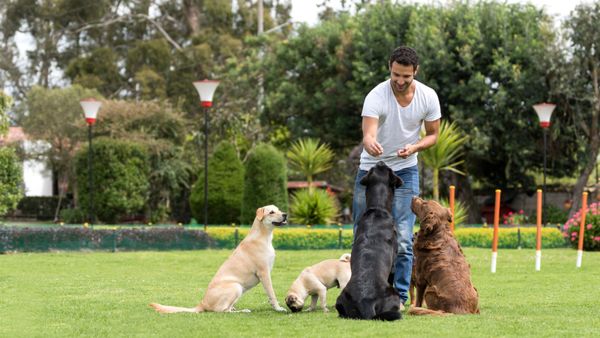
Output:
x=591 y=235
x=555 y=215
x=40 y=207
x=10 y=180
x=72 y=216
x=77 y=238
x=318 y=207
x=120 y=179
x=225 y=187
x=265 y=181
x=287 y=238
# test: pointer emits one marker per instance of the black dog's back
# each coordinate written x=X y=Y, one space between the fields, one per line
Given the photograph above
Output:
x=369 y=293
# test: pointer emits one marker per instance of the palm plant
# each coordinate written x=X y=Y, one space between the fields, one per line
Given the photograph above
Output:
x=445 y=154
x=310 y=157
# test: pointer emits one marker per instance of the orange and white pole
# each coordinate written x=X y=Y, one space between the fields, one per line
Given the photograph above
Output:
x=495 y=238
x=538 y=236
x=452 y=190
x=581 y=229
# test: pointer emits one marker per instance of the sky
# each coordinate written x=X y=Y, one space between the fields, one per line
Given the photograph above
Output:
x=307 y=10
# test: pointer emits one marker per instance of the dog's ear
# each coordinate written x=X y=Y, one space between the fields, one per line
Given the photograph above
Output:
x=365 y=179
x=449 y=215
x=260 y=213
x=397 y=181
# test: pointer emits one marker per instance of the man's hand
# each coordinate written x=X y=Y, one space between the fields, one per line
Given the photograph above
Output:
x=408 y=150
x=372 y=146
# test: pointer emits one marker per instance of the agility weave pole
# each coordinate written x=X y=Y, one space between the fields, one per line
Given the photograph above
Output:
x=496 y=223
x=538 y=235
x=581 y=229
x=451 y=200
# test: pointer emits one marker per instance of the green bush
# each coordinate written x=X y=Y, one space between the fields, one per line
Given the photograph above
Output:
x=508 y=238
x=318 y=207
x=225 y=187
x=120 y=179
x=554 y=215
x=265 y=181
x=10 y=180
x=72 y=216
x=591 y=234
x=77 y=238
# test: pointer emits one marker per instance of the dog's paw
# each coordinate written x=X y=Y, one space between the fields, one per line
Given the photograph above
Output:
x=244 y=310
x=279 y=309
x=325 y=309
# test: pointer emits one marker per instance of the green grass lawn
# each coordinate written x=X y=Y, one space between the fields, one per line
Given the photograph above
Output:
x=107 y=294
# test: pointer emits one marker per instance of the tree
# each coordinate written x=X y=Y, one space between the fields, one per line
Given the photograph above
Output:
x=583 y=88
x=225 y=187
x=265 y=181
x=310 y=158
x=5 y=103
x=55 y=118
x=161 y=130
x=10 y=180
x=445 y=154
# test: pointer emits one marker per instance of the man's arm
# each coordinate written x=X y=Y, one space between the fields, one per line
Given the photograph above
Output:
x=369 y=128
x=432 y=130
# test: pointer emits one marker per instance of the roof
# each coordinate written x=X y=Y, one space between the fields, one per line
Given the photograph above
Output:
x=15 y=134
x=318 y=184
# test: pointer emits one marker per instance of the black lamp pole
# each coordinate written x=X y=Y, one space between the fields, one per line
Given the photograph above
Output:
x=90 y=108
x=205 y=167
x=91 y=213
x=206 y=89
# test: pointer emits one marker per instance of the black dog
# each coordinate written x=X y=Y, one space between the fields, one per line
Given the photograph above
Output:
x=369 y=294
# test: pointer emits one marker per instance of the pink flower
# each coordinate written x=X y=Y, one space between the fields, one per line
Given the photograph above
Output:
x=567 y=226
x=574 y=233
x=521 y=212
x=589 y=227
x=597 y=239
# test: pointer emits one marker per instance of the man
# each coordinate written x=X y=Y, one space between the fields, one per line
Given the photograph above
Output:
x=392 y=116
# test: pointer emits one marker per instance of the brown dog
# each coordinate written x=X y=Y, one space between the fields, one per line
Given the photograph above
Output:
x=442 y=274
x=315 y=280
x=250 y=263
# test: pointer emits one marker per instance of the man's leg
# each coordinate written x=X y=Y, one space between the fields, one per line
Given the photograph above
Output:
x=405 y=219
x=359 y=200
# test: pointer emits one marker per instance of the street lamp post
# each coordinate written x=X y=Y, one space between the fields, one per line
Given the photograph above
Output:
x=206 y=89
x=544 y=112
x=90 y=108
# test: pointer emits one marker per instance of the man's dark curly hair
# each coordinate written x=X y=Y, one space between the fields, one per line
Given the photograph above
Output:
x=405 y=56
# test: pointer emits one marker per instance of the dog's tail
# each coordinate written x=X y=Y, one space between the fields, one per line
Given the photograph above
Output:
x=421 y=311
x=345 y=257
x=174 y=309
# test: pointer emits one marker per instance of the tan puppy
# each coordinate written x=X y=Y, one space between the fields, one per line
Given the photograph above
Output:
x=315 y=280
x=250 y=263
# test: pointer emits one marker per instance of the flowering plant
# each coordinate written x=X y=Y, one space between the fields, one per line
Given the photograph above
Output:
x=512 y=218
x=591 y=235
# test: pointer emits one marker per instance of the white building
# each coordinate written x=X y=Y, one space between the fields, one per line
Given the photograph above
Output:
x=37 y=178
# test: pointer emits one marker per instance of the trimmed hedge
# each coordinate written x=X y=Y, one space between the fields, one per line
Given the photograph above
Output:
x=77 y=238
x=179 y=238
x=296 y=238
x=508 y=238
x=287 y=238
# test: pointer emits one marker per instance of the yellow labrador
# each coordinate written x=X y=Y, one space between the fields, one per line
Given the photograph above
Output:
x=250 y=263
x=315 y=280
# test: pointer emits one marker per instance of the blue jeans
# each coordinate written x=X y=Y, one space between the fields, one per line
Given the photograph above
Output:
x=404 y=218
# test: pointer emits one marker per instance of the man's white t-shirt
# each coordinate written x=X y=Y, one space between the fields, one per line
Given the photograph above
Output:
x=398 y=126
